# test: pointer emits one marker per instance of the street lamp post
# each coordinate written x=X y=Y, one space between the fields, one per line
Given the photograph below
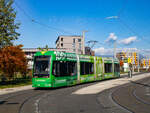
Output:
x=83 y=41
x=138 y=62
x=115 y=43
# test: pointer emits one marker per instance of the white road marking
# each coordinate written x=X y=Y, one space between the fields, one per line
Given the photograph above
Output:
x=37 y=103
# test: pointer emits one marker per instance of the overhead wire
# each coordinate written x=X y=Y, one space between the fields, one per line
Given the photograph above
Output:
x=24 y=12
x=38 y=22
x=127 y=25
x=131 y=29
x=120 y=13
x=123 y=8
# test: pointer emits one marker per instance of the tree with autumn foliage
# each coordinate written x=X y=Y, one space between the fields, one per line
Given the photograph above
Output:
x=12 y=59
x=121 y=65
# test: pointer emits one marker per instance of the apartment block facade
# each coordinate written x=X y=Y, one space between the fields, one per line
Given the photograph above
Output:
x=73 y=43
x=125 y=55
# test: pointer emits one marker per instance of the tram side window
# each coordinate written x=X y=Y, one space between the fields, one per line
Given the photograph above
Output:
x=86 y=68
x=117 y=68
x=108 y=68
x=64 y=68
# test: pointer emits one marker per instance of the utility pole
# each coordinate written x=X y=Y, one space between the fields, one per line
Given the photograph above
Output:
x=138 y=61
x=115 y=44
x=83 y=41
x=132 y=61
x=146 y=64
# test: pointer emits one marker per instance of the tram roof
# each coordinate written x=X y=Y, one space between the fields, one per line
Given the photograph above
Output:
x=65 y=54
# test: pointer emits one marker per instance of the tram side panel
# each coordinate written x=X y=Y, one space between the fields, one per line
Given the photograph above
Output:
x=64 y=72
x=99 y=68
x=108 y=68
x=87 y=69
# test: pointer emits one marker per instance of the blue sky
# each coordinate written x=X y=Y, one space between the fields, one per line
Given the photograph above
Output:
x=74 y=16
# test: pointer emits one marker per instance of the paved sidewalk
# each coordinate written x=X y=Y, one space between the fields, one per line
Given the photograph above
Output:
x=101 y=86
x=15 y=89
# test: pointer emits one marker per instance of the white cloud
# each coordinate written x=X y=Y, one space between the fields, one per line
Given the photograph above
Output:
x=103 y=51
x=112 y=17
x=128 y=40
x=110 y=51
x=112 y=37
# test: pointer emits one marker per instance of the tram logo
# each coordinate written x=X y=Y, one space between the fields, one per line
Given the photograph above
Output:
x=43 y=52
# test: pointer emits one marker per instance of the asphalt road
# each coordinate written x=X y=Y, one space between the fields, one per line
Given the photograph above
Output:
x=133 y=97
x=60 y=100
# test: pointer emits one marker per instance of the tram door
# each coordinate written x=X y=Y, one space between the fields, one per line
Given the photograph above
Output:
x=99 y=68
x=65 y=73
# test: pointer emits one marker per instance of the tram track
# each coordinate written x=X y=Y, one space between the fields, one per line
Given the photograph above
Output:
x=29 y=101
x=61 y=98
x=49 y=100
x=139 y=99
x=26 y=100
x=116 y=102
x=129 y=97
x=15 y=103
x=2 y=100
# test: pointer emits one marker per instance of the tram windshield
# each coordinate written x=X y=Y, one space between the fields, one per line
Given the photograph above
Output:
x=41 y=66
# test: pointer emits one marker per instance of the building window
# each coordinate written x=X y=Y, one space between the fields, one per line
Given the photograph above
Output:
x=61 y=44
x=74 y=40
x=61 y=39
x=73 y=45
x=79 y=40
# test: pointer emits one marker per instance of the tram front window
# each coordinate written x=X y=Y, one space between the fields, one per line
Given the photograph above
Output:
x=41 y=66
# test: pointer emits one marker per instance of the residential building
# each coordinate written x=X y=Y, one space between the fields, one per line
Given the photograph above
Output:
x=145 y=62
x=73 y=43
x=125 y=55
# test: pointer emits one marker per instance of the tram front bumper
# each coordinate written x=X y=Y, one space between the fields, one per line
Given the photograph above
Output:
x=41 y=83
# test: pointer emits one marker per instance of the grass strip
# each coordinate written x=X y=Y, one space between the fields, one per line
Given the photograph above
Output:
x=15 y=83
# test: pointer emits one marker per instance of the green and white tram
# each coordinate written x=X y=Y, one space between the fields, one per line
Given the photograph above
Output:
x=56 y=69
